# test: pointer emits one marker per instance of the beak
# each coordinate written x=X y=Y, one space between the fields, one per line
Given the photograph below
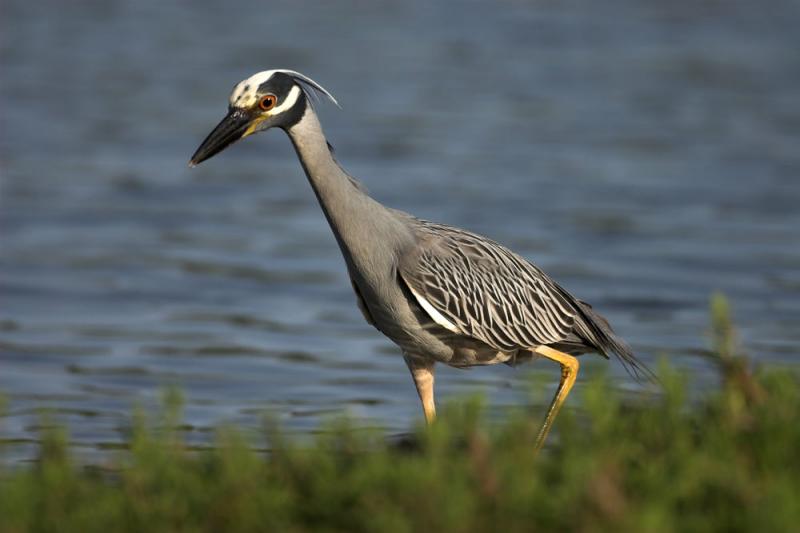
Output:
x=232 y=128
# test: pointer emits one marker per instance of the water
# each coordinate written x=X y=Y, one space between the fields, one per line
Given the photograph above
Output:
x=645 y=155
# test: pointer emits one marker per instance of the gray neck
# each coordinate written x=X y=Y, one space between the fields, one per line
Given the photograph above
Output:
x=363 y=227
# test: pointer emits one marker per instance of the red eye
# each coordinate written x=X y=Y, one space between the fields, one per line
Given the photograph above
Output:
x=267 y=102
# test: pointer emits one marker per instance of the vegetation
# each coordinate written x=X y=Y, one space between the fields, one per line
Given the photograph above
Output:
x=658 y=462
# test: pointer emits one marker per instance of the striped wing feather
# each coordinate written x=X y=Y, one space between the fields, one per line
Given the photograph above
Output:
x=487 y=291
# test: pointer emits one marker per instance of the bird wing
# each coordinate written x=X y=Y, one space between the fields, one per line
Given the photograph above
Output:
x=472 y=285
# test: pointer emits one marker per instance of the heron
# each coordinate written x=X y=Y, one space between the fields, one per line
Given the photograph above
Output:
x=442 y=294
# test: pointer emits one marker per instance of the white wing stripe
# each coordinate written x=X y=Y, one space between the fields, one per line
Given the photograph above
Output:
x=434 y=314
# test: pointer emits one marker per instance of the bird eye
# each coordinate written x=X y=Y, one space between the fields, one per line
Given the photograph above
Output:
x=267 y=102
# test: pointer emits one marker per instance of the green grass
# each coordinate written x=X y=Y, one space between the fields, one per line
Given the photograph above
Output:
x=728 y=461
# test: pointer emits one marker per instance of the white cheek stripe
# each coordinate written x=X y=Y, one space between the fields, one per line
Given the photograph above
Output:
x=288 y=102
x=434 y=314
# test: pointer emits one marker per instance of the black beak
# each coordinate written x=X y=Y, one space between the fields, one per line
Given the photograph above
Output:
x=228 y=131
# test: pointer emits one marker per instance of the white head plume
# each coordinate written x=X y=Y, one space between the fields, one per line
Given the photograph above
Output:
x=244 y=94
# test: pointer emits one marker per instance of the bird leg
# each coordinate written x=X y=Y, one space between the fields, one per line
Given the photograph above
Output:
x=422 y=372
x=569 y=371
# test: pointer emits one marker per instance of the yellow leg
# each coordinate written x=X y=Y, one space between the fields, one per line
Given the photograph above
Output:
x=422 y=372
x=569 y=371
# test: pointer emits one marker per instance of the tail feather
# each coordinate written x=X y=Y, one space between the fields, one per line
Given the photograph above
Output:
x=607 y=341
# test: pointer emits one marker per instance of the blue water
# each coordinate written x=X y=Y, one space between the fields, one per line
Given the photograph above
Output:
x=644 y=153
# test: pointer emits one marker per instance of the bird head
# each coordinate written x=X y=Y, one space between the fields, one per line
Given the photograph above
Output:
x=268 y=99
